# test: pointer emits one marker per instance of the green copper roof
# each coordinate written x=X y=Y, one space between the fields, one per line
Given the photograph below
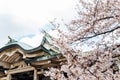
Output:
x=46 y=40
x=23 y=45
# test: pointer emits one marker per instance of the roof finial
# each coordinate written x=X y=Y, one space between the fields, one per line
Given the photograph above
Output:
x=11 y=40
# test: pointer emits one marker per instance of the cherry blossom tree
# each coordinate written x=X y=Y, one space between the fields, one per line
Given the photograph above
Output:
x=98 y=27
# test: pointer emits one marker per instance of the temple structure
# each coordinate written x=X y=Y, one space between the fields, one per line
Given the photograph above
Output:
x=19 y=61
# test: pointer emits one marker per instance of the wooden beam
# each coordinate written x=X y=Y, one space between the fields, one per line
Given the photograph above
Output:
x=49 y=65
x=15 y=58
x=40 y=72
x=19 y=70
x=18 y=64
x=35 y=74
x=36 y=54
x=62 y=59
x=3 y=78
x=41 y=62
x=5 y=58
x=4 y=64
x=9 y=77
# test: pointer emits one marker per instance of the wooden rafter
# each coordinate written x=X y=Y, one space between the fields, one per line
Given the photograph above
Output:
x=20 y=70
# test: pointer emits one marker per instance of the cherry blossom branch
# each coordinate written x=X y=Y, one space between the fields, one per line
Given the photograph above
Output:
x=108 y=17
x=92 y=73
x=97 y=34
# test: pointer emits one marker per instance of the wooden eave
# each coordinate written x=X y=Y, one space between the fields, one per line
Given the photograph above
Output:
x=16 y=59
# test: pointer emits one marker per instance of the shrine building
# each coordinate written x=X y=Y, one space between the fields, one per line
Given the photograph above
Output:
x=19 y=61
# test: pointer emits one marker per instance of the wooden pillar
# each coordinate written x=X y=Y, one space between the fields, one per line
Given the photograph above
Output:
x=9 y=77
x=35 y=74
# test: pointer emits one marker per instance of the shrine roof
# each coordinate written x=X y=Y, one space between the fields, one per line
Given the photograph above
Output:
x=13 y=43
x=25 y=47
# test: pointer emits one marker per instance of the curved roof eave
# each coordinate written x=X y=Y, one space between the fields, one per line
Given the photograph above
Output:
x=25 y=50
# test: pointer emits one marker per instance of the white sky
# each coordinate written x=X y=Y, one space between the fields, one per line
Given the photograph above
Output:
x=19 y=18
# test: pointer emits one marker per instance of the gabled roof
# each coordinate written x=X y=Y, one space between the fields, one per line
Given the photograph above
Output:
x=27 y=48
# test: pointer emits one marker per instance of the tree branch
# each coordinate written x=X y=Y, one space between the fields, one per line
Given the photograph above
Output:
x=88 y=37
x=92 y=73
x=95 y=9
x=108 y=17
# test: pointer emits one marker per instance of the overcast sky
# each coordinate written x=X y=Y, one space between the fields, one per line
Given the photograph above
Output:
x=22 y=19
